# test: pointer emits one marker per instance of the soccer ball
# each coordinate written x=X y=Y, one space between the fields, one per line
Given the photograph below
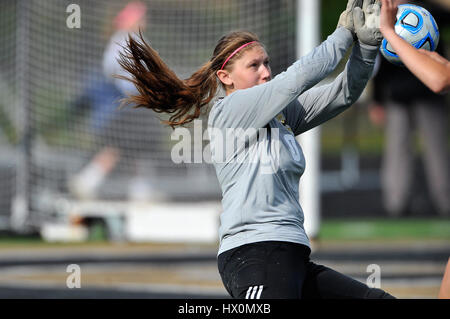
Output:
x=415 y=25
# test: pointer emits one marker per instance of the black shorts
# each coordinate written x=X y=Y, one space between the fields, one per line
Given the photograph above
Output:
x=275 y=269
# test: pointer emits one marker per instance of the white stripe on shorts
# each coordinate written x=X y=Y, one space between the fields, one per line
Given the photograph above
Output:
x=251 y=292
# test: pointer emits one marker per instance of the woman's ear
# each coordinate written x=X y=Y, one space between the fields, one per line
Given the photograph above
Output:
x=224 y=77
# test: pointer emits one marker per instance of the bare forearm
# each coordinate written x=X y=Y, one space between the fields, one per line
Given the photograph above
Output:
x=433 y=73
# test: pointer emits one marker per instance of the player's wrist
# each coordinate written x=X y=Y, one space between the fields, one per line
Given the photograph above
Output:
x=387 y=31
x=366 y=52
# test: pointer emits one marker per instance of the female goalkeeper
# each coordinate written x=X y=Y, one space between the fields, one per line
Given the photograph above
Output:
x=264 y=250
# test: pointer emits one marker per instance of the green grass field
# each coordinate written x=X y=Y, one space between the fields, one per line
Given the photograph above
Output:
x=367 y=229
x=330 y=230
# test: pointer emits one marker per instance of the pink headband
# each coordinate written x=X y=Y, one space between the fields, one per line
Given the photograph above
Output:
x=235 y=52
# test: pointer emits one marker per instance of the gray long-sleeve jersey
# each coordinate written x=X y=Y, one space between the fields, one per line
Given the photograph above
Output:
x=257 y=159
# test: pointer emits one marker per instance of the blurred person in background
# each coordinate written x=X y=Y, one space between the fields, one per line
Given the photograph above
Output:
x=118 y=129
x=404 y=104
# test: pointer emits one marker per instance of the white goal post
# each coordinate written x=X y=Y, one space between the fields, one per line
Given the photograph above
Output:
x=308 y=37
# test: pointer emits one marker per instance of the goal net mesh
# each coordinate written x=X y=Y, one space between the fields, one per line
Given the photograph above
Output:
x=62 y=134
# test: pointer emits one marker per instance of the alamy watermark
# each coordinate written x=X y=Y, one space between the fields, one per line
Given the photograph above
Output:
x=232 y=145
x=73 y=21
x=74 y=279
x=374 y=279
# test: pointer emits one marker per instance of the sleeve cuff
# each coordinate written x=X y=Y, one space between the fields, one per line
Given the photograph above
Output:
x=343 y=34
x=367 y=52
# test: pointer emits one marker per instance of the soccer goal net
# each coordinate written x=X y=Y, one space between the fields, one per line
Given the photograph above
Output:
x=61 y=132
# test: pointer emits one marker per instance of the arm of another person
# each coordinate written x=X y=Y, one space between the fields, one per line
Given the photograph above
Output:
x=444 y=291
x=429 y=67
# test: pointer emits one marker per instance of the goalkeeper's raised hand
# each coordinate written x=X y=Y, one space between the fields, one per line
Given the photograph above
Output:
x=367 y=22
x=346 y=18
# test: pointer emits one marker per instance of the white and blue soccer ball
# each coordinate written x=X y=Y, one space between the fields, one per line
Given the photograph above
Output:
x=415 y=25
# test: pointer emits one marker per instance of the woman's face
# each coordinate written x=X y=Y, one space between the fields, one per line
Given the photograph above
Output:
x=251 y=69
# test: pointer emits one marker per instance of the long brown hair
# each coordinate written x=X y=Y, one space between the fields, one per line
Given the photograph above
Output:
x=162 y=91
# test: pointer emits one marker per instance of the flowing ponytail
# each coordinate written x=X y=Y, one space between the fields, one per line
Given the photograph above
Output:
x=162 y=91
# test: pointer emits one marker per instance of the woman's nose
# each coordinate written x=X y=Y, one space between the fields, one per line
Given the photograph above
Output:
x=265 y=73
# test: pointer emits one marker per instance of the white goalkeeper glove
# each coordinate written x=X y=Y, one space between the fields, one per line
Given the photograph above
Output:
x=367 y=22
x=346 y=18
